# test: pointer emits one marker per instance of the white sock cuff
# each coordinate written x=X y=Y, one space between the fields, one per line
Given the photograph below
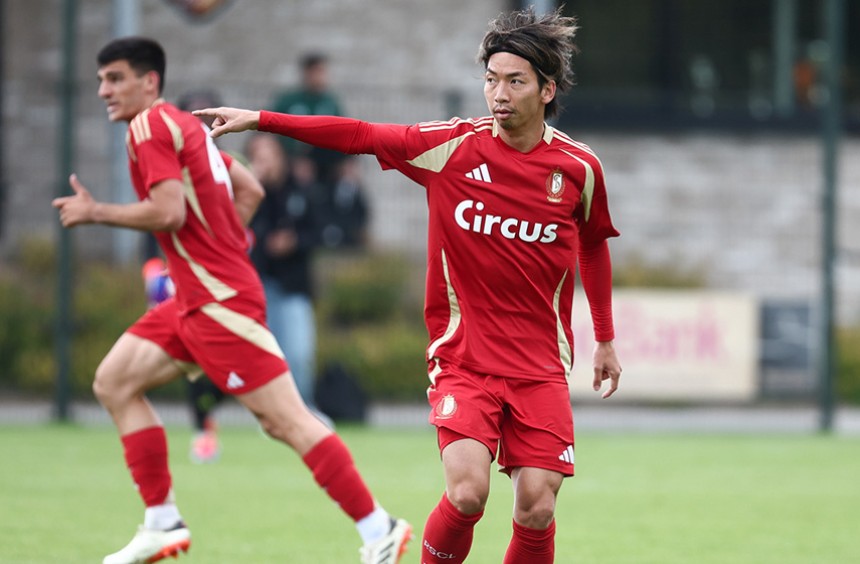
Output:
x=374 y=526
x=161 y=517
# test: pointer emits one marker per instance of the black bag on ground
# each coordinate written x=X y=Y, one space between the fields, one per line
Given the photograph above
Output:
x=339 y=395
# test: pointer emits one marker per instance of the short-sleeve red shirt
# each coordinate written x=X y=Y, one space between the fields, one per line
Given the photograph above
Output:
x=207 y=256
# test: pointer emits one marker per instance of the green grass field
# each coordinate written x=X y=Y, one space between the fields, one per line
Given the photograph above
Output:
x=65 y=497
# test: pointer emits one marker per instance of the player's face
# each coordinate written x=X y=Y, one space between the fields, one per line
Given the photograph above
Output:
x=124 y=91
x=513 y=94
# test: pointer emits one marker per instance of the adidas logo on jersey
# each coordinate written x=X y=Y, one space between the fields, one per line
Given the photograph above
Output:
x=567 y=455
x=234 y=381
x=481 y=173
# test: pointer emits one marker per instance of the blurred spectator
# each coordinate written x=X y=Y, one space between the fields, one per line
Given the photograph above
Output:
x=286 y=234
x=313 y=96
x=345 y=210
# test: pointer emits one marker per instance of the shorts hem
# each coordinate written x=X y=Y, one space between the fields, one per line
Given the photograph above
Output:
x=255 y=385
x=507 y=469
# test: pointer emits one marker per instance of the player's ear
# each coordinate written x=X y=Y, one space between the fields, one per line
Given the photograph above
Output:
x=152 y=81
x=548 y=92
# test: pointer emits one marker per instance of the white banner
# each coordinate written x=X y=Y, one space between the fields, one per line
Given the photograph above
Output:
x=675 y=345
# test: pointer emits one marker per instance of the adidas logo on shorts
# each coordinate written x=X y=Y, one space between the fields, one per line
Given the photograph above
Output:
x=234 y=381
x=567 y=455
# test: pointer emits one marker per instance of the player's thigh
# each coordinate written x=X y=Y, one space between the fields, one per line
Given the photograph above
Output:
x=466 y=460
x=134 y=364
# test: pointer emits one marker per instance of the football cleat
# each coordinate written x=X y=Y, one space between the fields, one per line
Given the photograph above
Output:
x=150 y=545
x=389 y=548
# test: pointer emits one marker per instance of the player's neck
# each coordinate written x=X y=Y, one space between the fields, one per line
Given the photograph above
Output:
x=147 y=104
x=523 y=139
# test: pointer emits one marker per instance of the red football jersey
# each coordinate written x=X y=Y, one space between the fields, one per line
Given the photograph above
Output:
x=503 y=238
x=207 y=257
x=504 y=231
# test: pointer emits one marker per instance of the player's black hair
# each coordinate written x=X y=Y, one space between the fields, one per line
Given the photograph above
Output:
x=143 y=55
x=545 y=41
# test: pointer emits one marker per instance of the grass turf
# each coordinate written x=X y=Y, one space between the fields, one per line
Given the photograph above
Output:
x=65 y=496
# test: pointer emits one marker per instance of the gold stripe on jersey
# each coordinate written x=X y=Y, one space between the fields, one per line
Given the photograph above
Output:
x=588 y=188
x=436 y=158
x=548 y=133
x=140 y=129
x=579 y=145
x=479 y=124
x=217 y=288
x=187 y=183
x=175 y=131
x=193 y=200
x=454 y=317
x=565 y=354
x=244 y=327
x=438 y=125
x=129 y=146
x=561 y=136
x=437 y=369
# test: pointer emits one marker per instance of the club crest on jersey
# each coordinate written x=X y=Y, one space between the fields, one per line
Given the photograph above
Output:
x=555 y=186
x=446 y=407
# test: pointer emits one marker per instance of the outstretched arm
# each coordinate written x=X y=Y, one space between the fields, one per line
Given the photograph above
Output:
x=346 y=135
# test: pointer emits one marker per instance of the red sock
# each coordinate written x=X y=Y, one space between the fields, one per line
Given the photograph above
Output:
x=531 y=546
x=146 y=458
x=335 y=472
x=448 y=534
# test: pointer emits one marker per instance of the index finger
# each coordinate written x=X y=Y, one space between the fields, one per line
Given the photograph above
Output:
x=208 y=112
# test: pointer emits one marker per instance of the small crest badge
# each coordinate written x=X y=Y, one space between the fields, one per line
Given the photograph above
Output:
x=446 y=407
x=555 y=186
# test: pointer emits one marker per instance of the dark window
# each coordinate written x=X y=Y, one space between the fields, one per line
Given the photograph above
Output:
x=711 y=63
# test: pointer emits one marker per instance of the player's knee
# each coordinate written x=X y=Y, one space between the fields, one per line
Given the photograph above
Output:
x=468 y=498
x=538 y=515
x=102 y=388
x=107 y=388
x=535 y=519
x=278 y=429
x=271 y=429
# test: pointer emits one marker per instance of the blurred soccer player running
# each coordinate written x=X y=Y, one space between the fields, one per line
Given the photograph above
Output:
x=196 y=200
x=515 y=205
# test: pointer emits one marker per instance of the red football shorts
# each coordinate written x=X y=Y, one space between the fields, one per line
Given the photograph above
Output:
x=529 y=423
x=229 y=342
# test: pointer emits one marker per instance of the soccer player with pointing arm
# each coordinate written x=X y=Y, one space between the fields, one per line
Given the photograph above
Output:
x=515 y=205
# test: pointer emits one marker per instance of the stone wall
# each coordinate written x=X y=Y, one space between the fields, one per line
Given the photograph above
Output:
x=744 y=209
